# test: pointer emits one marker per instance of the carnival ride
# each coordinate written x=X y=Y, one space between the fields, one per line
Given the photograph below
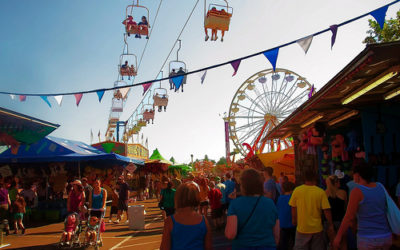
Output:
x=133 y=13
x=260 y=104
x=217 y=17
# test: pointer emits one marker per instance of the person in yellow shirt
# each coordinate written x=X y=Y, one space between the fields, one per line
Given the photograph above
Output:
x=308 y=202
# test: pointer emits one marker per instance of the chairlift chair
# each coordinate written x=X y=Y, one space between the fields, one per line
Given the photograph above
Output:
x=121 y=93
x=160 y=98
x=148 y=113
x=177 y=68
x=140 y=121
x=127 y=65
x=132 y=26
x=218 y=17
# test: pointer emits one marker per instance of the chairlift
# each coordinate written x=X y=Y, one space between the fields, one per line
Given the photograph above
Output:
x=117 y=105
x=121 y=93
x=218 y=17
x=140 y=28
x=148 y=113
x=127 y=63
x=177 y=68
x=140 y=121
x=160 y=98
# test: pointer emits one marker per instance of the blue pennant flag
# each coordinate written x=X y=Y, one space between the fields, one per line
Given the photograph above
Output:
x=44 y=98
x=272 y=56
x=177 y=80
x=379 y=15
x=100 y=94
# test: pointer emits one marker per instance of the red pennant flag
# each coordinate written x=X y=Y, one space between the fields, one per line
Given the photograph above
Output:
x=146 y=86
x=22 y=98
x=78 y=98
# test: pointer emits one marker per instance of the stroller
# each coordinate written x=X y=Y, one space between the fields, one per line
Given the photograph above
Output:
x=93 y=226
x=72 y=229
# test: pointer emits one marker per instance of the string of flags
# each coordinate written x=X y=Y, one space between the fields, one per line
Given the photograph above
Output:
x=271 y=54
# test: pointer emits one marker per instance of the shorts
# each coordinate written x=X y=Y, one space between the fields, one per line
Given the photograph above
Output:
x=203 y=203
x=122 y=205
x=216 y=213
x=114 y=210
x=18 y=216
x=374 y=243
x=169 y=211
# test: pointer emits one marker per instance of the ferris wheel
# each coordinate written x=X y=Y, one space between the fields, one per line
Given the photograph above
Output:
x=260 y=104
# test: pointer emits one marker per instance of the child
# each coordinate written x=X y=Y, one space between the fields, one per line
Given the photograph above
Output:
x=114 y=204
x=92 y=229
x=19 y=210
x=215 y=196
x=288 y=230
x=70 y=227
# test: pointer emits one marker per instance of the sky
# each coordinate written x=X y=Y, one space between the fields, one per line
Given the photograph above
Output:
x=51 y=46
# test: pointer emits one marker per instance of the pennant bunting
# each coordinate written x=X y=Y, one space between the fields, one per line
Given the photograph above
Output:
x=91 y=136
x=22 y=98
x=305 y=43
x=235 y=65
x=78 y=98
x=124 y=92
x=311 y=93
x=12 y=97
x=59 y=99
x=177 y=80
x=272 y=56
x=146 y=86
x=46 y=100
x=380 y=15
x=203 y=77
x=100 y=94
x=334 y=29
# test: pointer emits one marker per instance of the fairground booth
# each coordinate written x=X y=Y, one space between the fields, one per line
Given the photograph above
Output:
x=354 y=117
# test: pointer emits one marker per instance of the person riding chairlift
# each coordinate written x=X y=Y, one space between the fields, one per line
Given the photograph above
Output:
x=143 y=25
x=171 y=83
x=180 y=72
x=129 y=23
x=124 y=69
x=214 y=36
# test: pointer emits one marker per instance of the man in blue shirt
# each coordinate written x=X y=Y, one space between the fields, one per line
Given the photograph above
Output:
x=270 y=190
x=229 y=188
x=288 y=230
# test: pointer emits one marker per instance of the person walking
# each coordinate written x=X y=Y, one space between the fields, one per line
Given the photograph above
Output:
x=367 y=205
x=123 y=196
x=167 y=198
x=5 y=204
x=215 y=195
x=338 y=200
x=308 y=202
x=97 y=200
x=18 y=209
x=203 y=184
x=229 y=188
x=288 y=230
x=76 y=198
x=186 y=229
x=252 y=221
x=270 y=188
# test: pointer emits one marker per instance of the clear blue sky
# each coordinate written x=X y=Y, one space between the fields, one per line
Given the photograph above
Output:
x=72 y=45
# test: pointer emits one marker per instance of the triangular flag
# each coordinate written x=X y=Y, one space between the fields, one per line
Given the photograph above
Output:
x=379 y=15
x=124 y=92
x=44 y=98
x=305 y=43
x=272 y=56
x=235 y=65
x=91 y=136
x=100 y=94
x=203 y=77
x=334 y=29
x=78 y=98
x=177 y=80
x=146 y=86
x=12 y=96
x=22 y=98
x=59 y=99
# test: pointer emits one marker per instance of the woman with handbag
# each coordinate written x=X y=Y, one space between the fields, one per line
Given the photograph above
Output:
x=367 y=205
x=252 y=221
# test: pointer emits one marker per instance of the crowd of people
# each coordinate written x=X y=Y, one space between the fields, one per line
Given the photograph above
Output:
x=257 y=211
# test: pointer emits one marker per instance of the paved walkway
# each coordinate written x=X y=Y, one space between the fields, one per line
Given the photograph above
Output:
x=115 y=237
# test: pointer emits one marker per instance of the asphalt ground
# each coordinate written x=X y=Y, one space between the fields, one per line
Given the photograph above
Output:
x=117 y=236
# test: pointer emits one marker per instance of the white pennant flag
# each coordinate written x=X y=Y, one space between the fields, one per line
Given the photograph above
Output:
x=305 y=43
x=12 y=96
x=124 y=92
x=202 y=75
x=59 y=99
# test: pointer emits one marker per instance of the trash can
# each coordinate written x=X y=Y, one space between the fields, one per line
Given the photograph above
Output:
x=136 y=217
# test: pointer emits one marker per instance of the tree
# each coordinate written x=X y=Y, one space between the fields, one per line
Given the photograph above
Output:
x=172 y=160
x=389 y=33
x=222 y=161
x=206 y=158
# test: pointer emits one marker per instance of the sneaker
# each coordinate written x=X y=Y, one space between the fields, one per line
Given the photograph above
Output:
x=207 y=37
x=136 y=36
x=216 y=38
x=147 y=37
x=222 y=39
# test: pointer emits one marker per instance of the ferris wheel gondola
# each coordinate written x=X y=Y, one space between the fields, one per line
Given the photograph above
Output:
x=177 y=68
x=218 y=17
x=131 y=26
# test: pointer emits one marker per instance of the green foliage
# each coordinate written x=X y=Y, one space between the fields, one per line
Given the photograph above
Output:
x=172 y=160
x=389 y=33
x=206 y=158
x=222 y=161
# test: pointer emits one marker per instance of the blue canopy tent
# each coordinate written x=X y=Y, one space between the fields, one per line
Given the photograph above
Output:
x=53 y=149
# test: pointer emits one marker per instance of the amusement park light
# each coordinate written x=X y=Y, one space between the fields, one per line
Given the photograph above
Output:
x=343 y=117
x=371 y=85
x=392 y=94
x=316 y=118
